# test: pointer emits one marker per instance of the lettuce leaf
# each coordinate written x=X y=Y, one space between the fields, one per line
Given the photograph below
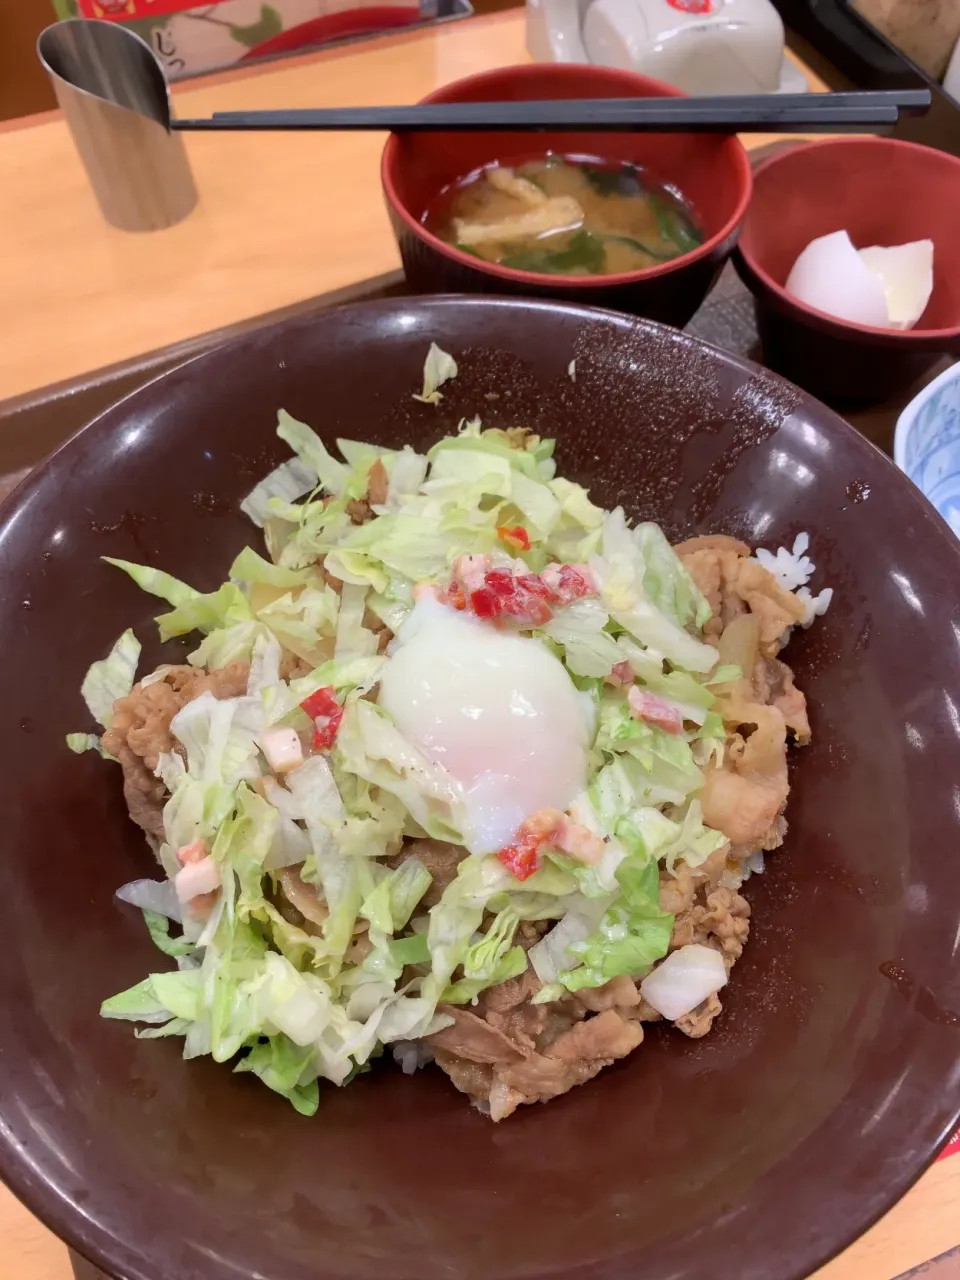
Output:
x=282 y=1066
x=438 y=368
x=78 y=743
x=228 y=644
x=158 y=927
x=251 y=567
x=110 y=678
x=392 y=903
x=224 y=607
x=244 y=841
x=632 y=935
x=370 y=746
x=311 y=450
x=353 y=639
x=156 y=582
x=489 y=961
x=288 y=482
x=346 y=880
x=621 y=572
x=667 y=582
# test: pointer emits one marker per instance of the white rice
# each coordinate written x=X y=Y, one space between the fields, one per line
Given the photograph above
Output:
x=411 y=1055
x=793 y=569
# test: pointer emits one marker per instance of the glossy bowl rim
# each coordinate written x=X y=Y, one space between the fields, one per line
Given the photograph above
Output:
x=844 y=328
x=389 y=161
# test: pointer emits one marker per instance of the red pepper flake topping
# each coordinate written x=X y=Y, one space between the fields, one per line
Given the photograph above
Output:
x=653 y=710
x=621 y=673
x=326 y=713
x=568 y=582
x=529 y=599
x=500 y=595
x=523 y=857
x=485 y=603
x=553 y=828
x=518 y=538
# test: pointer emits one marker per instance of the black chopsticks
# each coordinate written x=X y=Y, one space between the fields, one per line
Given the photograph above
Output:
x=768 y=113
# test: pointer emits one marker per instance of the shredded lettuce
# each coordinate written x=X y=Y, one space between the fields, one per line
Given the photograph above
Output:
x=158 y=927
x=311 y=450
x=81 y=742
x=489 y=961
x=370 y=746
x=293 y=1001
x=631 y=936
x=438 y=368
x=110 y=679
x=224 y=607
x=624 y=576
x=283 y=1066
x=291 y=480
x=392 y=903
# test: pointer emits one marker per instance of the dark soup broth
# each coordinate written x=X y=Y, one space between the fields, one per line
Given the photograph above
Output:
x=565 y=215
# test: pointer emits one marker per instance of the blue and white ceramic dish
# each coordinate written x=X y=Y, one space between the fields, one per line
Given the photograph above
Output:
x=927 y=444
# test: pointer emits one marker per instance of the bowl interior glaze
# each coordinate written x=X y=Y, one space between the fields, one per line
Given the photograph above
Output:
x=760 y=1151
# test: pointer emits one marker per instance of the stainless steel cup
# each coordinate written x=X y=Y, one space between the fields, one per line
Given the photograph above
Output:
x=115 y=99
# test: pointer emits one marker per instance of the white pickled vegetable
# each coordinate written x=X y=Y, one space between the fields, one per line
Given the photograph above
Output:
x=685 y=979
x=282 y=748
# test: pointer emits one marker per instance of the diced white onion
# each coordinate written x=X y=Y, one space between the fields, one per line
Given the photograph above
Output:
x=755 y=863
x=685 y=979
x=282 y=747
x=197 y=878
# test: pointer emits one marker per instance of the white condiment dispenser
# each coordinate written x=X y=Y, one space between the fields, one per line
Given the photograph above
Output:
x=700 y=46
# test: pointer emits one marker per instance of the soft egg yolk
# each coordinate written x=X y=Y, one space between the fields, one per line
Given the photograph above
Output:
x=498 y=711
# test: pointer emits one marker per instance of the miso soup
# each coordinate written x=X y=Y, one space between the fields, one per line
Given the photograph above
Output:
x=566 y=215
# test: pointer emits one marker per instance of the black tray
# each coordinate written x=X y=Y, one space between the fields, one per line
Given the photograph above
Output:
x=847 y=52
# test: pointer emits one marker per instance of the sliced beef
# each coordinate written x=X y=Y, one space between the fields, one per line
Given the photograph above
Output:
x=508 y=995
x=531 y=1053
x=140 y=733
x=471 y=1078
x=734 y=583
x=145 y=795
x=473 y=1038
x=743 y=805
x=309 y=909
x=607 y=1036
x=721 y=920
x=774 y=687
x=698 y=1021
x=360 y=510
x=618 y=993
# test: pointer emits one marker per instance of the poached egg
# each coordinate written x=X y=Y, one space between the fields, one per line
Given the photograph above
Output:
x=496 y=710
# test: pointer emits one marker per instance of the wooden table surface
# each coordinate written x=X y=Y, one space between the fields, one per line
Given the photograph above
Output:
x=281 y=219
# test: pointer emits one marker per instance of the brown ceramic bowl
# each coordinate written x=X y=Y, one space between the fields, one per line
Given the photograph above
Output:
x=712 y=172
x=759 y=1152
x=881 y=191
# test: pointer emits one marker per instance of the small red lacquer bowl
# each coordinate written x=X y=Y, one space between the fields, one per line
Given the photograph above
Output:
x=883 y=192
x=711 y=171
